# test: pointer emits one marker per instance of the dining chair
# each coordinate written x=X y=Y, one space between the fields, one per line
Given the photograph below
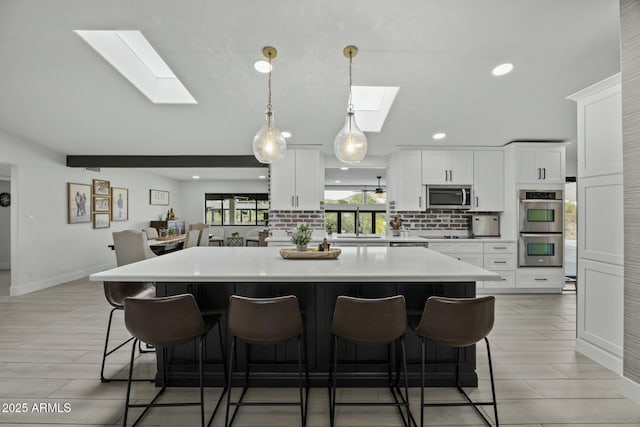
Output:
x=193 y=237
x=204 y=237
x=197 y=226
x=151 y=232
x=130 y=246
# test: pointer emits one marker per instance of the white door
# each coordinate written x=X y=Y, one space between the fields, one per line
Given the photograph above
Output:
x=551 y=161
x=488 y=181
x=435 y=168
x=528 y=169
x=308 y=186
x=283 y=176
x=460 y=167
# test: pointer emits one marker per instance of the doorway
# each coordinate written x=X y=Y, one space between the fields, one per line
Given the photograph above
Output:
x=5 y=229
x=570 y=232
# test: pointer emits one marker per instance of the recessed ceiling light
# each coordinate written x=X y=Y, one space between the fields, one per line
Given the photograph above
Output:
x=286 y=134
x=195 y=177
x=502 y=69
x=132 y=55
x=344 y=169
x=262 y=66
x=262 y=177
x=337 y=182
x=439 y=135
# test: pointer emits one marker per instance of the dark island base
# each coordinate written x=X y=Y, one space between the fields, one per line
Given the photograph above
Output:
x=317 y=300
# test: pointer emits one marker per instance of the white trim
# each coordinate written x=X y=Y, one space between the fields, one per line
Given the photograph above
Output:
x=37 y=285
x=598 y=355
x=595 y=88
x=630 y=389
x=489 y=291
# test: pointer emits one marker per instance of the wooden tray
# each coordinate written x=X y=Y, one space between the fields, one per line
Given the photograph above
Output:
x=292 y=253
x=174 y=237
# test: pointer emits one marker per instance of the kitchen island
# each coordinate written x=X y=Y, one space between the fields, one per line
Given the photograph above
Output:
x=212 y=274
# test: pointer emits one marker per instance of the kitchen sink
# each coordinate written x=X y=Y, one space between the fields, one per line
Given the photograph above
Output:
x=360 y=236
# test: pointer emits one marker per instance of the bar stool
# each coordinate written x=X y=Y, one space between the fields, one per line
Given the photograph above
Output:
x=379 y=321
x=266 y=321
x=458 y=323
x=167 y=322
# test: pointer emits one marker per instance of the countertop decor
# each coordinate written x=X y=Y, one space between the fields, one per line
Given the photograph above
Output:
x=312 y=254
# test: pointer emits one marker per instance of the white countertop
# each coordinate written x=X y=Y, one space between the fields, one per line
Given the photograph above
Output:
x=391 y=239
x=254 y=264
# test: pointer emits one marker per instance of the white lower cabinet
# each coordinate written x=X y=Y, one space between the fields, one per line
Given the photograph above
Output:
x=469 y=252
x=508 y=280
x=539 y=277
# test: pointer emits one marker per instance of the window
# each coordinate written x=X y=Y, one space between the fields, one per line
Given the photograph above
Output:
x=341 y=206
x=236 y=209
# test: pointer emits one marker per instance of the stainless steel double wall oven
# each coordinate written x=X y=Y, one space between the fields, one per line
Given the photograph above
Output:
x=541 y=227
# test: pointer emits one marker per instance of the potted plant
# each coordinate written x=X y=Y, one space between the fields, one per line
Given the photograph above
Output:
x=301 y=236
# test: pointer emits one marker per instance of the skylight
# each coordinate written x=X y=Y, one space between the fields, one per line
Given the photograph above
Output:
x=130 y=53
x=372 y=104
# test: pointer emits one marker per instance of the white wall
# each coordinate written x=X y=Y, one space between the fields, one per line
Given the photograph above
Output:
x=47 y=251
x=5 y=229
x=192 y=197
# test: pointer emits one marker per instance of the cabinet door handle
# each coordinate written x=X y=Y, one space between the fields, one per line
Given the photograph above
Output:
x=539 y=173
x=541 y=280
x=446 y=175
x=419 y=201
x=450 y=175
x=297 y=204
x=544 y=173
x=292 y=202
x=499 y=247
x=499 y=262
x=476 y=201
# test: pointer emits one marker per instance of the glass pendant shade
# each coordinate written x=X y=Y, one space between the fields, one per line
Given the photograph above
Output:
x=350 y=145
x=269 y=145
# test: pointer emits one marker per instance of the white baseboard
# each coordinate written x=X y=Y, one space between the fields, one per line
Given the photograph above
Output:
x=37 y=285
x=598 y=355
x=630 y=389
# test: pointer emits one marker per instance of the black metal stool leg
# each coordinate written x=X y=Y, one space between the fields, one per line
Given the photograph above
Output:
x=201 y=376
x=332 y=414
x=230 y=381
x=302 y=408
x=493 y=387
x=126 y=402
x=422 y=361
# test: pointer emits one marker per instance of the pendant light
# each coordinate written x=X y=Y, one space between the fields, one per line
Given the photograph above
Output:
x=269 y=145
x=350 y=144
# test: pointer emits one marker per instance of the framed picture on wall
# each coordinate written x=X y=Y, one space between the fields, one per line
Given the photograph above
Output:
x=158 y=197
x=119 y=204
x=101 y=220
x=101 y=204
x=78 y=203
x=101 y=187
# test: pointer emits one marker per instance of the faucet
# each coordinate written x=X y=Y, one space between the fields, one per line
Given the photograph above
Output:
x=356 y=223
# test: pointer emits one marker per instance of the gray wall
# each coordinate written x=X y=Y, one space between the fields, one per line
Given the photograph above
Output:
x=5 y=230
x=630 y=40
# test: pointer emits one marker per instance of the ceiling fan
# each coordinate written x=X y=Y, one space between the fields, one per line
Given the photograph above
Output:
x=379 y=189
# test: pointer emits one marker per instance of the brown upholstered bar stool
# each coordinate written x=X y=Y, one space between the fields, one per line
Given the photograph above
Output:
x=130 y=246
x=167 y=322
x=380 y=321
x=458 y=323
x=266 y=321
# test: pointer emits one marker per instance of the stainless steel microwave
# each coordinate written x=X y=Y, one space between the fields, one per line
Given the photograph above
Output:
x=448 y=197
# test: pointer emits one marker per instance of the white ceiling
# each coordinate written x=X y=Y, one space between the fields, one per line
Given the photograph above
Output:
x=57 y=91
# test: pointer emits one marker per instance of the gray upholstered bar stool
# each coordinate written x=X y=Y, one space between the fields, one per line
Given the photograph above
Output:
x=380 y=321
x=458 y=323
x=167 y=322
x=266 y=321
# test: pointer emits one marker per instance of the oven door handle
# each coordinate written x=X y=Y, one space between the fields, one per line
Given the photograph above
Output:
x=464 y=197
x=540 y=234
x=540 y=201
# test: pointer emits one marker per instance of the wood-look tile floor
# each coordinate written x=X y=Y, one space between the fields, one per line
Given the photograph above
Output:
x=50 y=352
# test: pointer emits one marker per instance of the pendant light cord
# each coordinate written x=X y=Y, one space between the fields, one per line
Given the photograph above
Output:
x=269 y=85
x=350 y=83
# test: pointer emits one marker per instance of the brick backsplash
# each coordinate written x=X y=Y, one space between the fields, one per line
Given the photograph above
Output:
x=432 y=219
x=286 y=220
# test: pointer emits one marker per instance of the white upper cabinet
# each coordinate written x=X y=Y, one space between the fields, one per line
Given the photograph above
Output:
x=541 y=165
x=297 y=181
x=488 y=181
x=405 y=172
x=447 y=167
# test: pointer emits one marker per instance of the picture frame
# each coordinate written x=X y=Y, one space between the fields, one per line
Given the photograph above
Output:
x=102 y=220
x=101 y=187
x=159 y=197
x=119 y=204
x=78 y=203
x=101 y=204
